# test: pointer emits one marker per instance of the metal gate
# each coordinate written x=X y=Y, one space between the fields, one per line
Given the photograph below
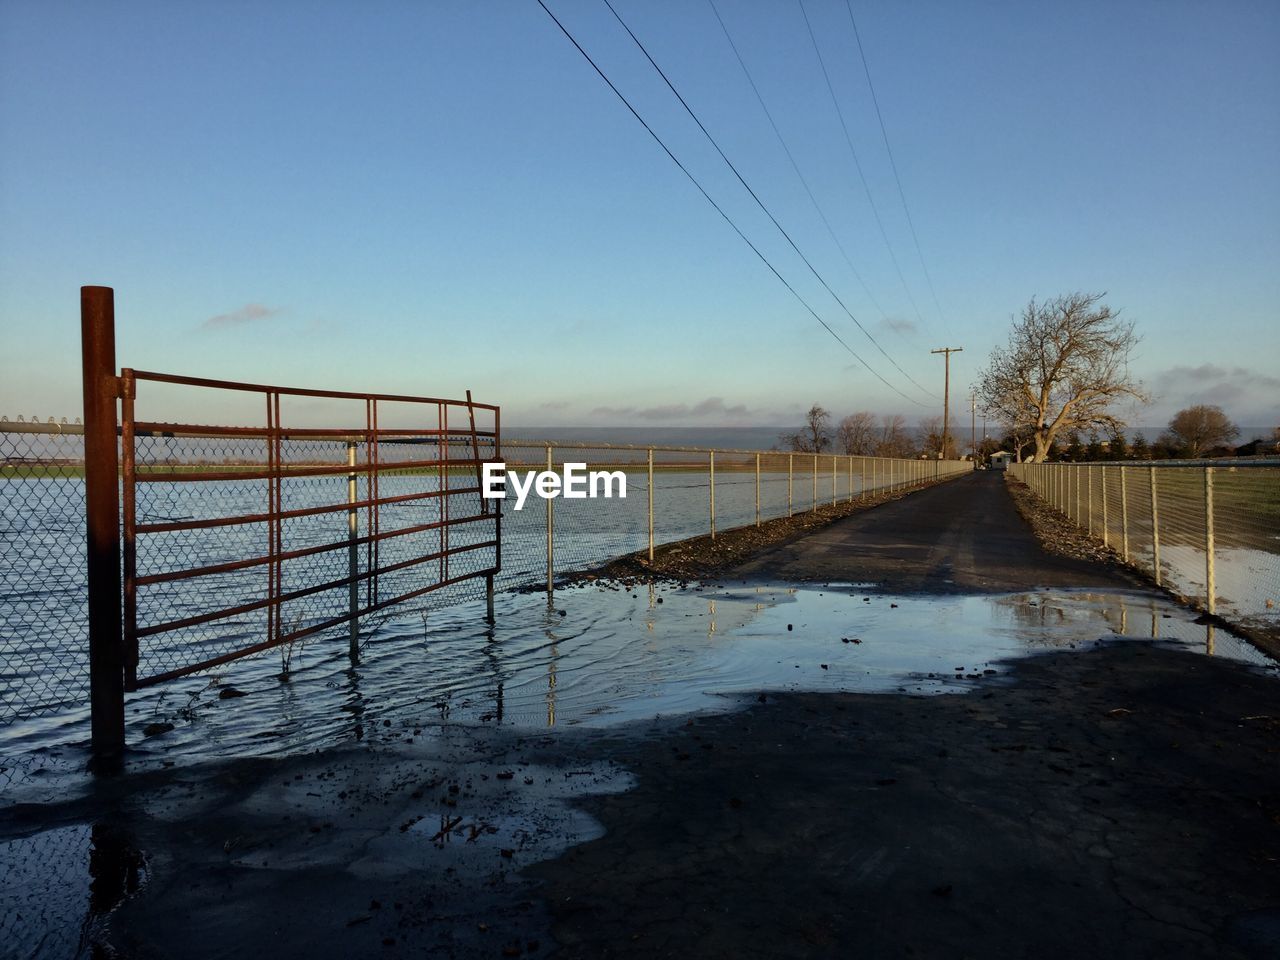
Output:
x=211 y=542
x=237 y=539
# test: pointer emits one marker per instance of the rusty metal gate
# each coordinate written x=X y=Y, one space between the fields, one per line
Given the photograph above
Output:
x=316 y=509
x=237 y=539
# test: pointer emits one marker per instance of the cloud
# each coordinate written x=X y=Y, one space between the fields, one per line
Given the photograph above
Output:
x=1242 y=393
x=249 y=313
x=898 y=325
x=710 y=408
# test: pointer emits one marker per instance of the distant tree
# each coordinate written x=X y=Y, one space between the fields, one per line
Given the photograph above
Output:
x=1118 y=447
x=929 y=435
x=813 y=436
x=1074 y=452
x=856 y=434
x=1017 y=440
x=893 y=440
x=1093 y=452
x=1196 y=430
x=1141 y=449
x=1065 y=366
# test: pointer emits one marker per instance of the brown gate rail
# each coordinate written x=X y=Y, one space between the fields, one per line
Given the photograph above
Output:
x=237 y=539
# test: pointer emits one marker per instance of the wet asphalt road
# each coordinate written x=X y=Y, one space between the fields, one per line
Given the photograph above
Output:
x=965 y=536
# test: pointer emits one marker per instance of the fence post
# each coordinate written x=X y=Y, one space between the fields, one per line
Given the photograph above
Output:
x=713 y=494
x=551 y=534
x=1088 y=498
x=651 y=504
x=102 y=526
x=790 y=469
x=1106 y=521
x=851 y=479
x=353 y=564
x=1155 y=526
x=862 y=491
x=757 y=489
x=834 y=482
x=1210 y=588
x=814 y=505
x=1124 y=516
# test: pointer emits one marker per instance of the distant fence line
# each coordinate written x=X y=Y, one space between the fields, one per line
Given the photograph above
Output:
x=1208 y=531
x=674 y=492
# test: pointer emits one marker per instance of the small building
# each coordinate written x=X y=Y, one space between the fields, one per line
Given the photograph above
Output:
x=1000 y=460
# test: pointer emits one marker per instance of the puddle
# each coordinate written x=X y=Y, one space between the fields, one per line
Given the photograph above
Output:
x=598 y=656
x=58 y=888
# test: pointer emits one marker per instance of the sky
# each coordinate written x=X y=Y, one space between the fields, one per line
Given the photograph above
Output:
x=429 y=197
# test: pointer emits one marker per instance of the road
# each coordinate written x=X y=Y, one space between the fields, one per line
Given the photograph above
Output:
x=965 y=536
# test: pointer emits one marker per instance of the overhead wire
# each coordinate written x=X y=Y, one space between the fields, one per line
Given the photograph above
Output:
x=706 y=196
x=794 y=165
x=754 y=196
x=894 y=165
x=884 y=235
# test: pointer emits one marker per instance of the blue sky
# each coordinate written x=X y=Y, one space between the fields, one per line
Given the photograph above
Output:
x=435 y=196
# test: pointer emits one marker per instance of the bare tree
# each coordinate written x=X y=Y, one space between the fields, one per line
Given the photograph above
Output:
x=893 y=440
x=930 y=438
x=1065 y=366
x=813 y=436
x=1196 y=430
x=856 y=433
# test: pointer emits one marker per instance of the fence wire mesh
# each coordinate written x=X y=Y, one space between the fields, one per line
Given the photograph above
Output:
x=43 y=626
x=43 y=631
x=1209 y=532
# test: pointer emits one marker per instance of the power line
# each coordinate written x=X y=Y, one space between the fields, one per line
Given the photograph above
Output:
x=725 y=216
x=858 y=165
x=754 y=196
x=794 y=166
x=892 y=163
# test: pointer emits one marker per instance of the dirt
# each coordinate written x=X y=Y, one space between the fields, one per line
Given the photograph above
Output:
x=960 y=537
x=711 y=558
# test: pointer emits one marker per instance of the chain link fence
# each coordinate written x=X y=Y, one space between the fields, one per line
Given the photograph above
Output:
x=44 y=636
x=1209 y=532
x=672 y=493
x=675 y=493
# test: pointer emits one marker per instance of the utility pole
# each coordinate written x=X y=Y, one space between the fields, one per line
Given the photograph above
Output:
x=946 y=395
x=973 y=423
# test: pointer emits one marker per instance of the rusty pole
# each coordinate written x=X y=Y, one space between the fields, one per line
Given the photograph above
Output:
x=102 y=526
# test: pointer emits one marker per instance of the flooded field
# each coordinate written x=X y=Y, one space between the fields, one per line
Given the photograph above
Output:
x=597 y=657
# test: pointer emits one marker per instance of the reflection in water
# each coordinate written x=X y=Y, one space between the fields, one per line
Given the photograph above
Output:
x=600 y=656
x=58 y=888
x=355 y=701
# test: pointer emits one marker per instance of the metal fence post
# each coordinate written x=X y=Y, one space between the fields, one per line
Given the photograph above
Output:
x=551 y=534
x=1210 y=587
x=1088 y=498
x=353 y=563
x=1106 y=521
x=851 y=479
x=1124 y=515
x=862 y=490
x=790 y=469
x=1155 y=526
x=102 y=526
x=814 y=505
x=757 y=489
x=651 y=504
x=834 y=482
x=713 y=494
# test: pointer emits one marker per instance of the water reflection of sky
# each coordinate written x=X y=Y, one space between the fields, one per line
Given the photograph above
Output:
x=602 y=656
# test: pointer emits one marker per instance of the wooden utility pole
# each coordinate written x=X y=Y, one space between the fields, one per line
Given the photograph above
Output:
x=973 y=423
x=946 y=395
